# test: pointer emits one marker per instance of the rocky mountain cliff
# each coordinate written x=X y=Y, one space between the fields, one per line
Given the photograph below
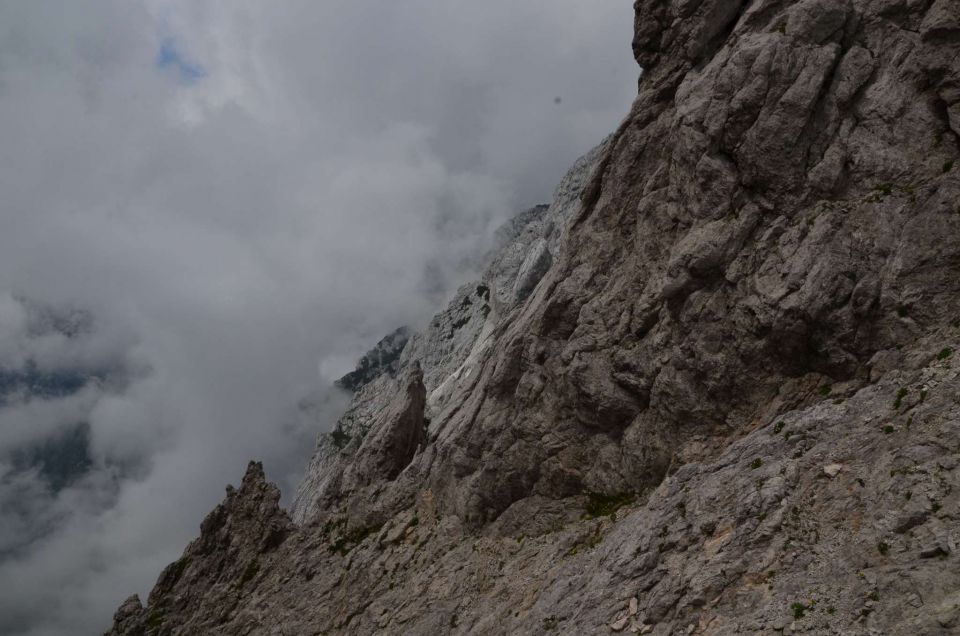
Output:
x=711 y=389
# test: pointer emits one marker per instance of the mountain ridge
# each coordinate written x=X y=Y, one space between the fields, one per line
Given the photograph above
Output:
x=710 y=390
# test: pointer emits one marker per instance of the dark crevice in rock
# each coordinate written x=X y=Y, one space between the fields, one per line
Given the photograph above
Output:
x=942 y=111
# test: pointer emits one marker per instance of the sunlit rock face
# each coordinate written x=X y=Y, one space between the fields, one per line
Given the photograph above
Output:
x=710 y=389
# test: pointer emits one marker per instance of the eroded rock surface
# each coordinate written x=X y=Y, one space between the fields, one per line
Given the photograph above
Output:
x=711 y=389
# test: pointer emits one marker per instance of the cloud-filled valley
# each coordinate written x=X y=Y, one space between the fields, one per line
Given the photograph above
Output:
x=210 y=210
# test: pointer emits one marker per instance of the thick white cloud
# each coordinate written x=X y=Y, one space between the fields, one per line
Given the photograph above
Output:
x=245 y=194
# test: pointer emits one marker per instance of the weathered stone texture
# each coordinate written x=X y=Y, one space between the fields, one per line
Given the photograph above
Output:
x=710 y=389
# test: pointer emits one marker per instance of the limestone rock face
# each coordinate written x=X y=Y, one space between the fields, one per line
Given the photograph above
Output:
x=448 y=354
x=710 y=389
x=370 y=457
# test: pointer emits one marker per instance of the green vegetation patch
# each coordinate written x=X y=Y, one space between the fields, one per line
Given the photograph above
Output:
x=340 y=438
x=902 y=393
x=799 y=610
x=179 y=567
x=249 y=572
x=155 y=619
x=601 y=505
x=351 y=539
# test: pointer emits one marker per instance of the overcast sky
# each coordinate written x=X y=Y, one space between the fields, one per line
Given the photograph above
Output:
x=245 y=195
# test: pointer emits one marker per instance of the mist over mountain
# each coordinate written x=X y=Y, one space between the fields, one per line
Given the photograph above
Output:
x=211 y=211
x=710 y=387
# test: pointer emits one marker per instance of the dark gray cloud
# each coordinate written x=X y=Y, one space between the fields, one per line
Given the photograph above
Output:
x=240 y=197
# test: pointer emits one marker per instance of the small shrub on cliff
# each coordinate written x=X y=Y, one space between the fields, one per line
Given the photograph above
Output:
x=178 y=568
x=902 y=393
x=601 y=505
x=251 y=571
x=155 y=619
x=340 y=439
x=351 y=539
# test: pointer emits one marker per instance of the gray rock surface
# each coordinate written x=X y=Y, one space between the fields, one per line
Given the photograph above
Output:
x=711 y=389
x=450 y=350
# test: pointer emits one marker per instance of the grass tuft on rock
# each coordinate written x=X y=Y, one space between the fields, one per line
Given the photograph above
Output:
x=601 y=505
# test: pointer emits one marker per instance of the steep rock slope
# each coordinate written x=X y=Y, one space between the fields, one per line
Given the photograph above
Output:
x=711 y=390
x=449 y=355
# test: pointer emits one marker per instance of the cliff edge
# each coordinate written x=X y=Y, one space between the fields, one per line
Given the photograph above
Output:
x=710 y=389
